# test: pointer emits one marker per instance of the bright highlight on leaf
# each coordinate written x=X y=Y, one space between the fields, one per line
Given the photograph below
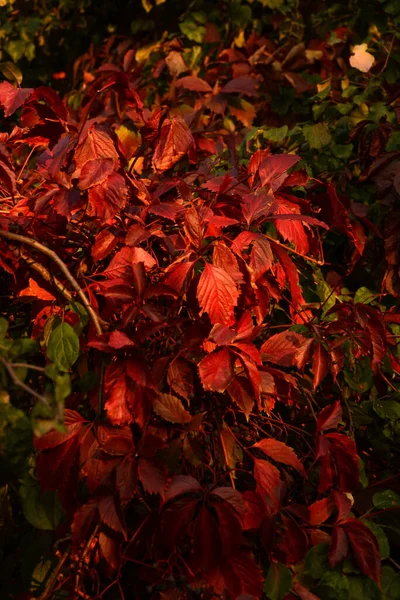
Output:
x=361 y=59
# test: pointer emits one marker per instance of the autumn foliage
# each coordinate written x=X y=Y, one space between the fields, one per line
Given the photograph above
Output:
x=207 y=369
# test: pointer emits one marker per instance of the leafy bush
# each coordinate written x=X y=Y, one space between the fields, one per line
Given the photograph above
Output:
x=198 y=349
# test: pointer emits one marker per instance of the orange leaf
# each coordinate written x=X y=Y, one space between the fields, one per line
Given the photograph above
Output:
x=280 y=452
x=35 y=291
x=175 y=140
x=171 y=409
x=217 y=294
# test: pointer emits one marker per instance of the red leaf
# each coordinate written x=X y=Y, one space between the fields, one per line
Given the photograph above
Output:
x=261 y=258
x=153 y=475
x=280 y=452
x=116 y=405
x=257 y=204
x=365 y=548
x=303 y=354
x=281 y=348
x=109 y=548
x=141 y=256
x=222 y=335
x=107 y=198
x=344 y=451
x=320 y=511
x=171 y=409
x=104 y=245
x=224 y=258
x=193 y=228
x=180 y=377
x=216 y=370
x=294 y=542
x=329 y=417
x=109 y=515
x=35 y=291
x=343 y=502
x=82 y=521
x=290 y=228
x=244 y=84
x=217 y=294
x=95 y=172
x=12 y=98
x=182 y=484
x=178 y=278
x=194 y=84
x=232 y=496
x=291 y=273
x=175 y=141
x=241 y=392
x=273 y=169
x=96 y=144
x=339 y=547
x=255 y=510
x=268 y=481
x=320 y=366
x=207 y=547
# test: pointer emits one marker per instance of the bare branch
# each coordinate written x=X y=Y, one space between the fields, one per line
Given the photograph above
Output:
x=22 y=239
x=16 y=380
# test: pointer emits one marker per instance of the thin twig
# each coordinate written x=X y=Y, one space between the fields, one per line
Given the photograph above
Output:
x=41 y=269
x=26 y=366
x=63 y=267
x=53 y=578
x=389 y=52
x=26 y=162
x=16 y=380
x=313 y=260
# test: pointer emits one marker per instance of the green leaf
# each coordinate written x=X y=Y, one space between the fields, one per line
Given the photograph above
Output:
x=317 y=135
x=81 y=311
x=333 y=586
x=387 y=409
x=16 y=49
x=384 y=548
x=316 y=561
x=63 y=347
x=364 y=296
x=278 y=582
x=42 y=509
x=362 y=587
x=324 y=291
x=386 y=499
x=15 y=441
x=40 y=574
x=3 y=327
x=22 y=346
x=390 y=582
x=394 y=142
x=11 y=72
x=276 y=134
x=192 y=30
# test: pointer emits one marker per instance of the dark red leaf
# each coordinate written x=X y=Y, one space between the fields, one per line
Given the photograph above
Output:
x=216 y=370
x=339 y=547
x=12 y=98
x=365 y=548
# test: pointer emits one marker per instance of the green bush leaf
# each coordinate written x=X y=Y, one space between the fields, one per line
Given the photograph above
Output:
x=278 y=582
x=317 y=135
x=316 y=561
x=42 y=509
x=386 y=499
x=333 y=586
x=63 y=347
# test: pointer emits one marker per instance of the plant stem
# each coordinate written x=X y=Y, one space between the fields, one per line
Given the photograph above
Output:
x=16 y=380
x=51 y=254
